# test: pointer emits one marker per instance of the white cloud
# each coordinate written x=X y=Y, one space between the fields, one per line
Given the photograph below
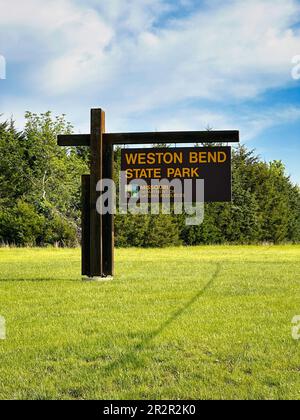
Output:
x=250 y=122
x=131 y=16
x=113 y=53
x=238 y=51
x=79 y=63
x=255 y=123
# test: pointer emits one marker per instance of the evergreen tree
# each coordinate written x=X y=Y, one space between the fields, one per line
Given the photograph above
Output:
x=39 y=181
x=40 y=189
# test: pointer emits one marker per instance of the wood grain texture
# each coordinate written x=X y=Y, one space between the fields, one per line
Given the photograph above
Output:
x=185 y=137
x=108 y=219
x=85 y=226
x=74 y=140
x=97 y=130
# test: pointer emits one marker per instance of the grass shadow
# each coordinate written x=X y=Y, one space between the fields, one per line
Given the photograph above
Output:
x=37 y=280
x=131 y=356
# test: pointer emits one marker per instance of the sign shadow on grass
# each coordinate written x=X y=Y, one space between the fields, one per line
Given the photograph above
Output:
x=132 y=355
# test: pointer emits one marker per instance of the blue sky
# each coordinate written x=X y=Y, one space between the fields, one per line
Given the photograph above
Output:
x=159 y=65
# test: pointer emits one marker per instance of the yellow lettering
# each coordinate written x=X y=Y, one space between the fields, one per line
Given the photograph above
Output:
x=195 y=173
x=129 y=174
x=142 y=159
x=177 y=173
x=151 y=159
x=143 y=173
x=171 y=172
x=159 y=158
x=168 y=158
x=186 y=172
x=212 y=157
x=157 y=173
x=178 y=158
x=131 y=158
x=202 y=157
x=193 y=157
x=222 y=157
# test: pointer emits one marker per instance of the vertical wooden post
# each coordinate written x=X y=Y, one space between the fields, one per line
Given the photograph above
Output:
x=85 y=226
x=108 y=219
x=97 y=229
x=96 y=220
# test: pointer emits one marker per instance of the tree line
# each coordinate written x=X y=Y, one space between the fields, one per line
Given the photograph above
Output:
x=40 y=189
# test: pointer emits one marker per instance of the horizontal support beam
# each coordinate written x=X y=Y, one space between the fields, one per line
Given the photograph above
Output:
x=184 y=137
x=174 y=137
x=71 y=140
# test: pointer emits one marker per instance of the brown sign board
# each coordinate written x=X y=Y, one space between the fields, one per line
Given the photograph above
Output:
x=211 y=164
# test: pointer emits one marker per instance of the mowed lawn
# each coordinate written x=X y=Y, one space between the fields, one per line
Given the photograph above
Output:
x=182 y=323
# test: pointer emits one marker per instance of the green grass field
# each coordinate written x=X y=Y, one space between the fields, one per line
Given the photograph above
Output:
x=186 y=323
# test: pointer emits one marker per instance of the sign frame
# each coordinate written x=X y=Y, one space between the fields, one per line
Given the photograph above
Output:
x=98 y=230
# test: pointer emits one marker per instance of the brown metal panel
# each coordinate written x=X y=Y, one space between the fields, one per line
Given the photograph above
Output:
x=85 y=226
x=185 y=137
x=97 y=130
x=211 y=164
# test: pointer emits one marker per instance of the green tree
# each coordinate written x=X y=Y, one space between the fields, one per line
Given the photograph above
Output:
x=35 y=170
x=40 y=189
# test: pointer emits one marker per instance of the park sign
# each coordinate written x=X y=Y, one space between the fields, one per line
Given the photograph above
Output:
x=211 y=164
x=98 y=228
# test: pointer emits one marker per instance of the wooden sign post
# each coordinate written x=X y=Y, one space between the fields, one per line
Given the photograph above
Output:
x=98 y=230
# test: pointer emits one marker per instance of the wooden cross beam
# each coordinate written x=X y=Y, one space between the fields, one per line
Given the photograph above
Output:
x=97 y=230
x=154 y=138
